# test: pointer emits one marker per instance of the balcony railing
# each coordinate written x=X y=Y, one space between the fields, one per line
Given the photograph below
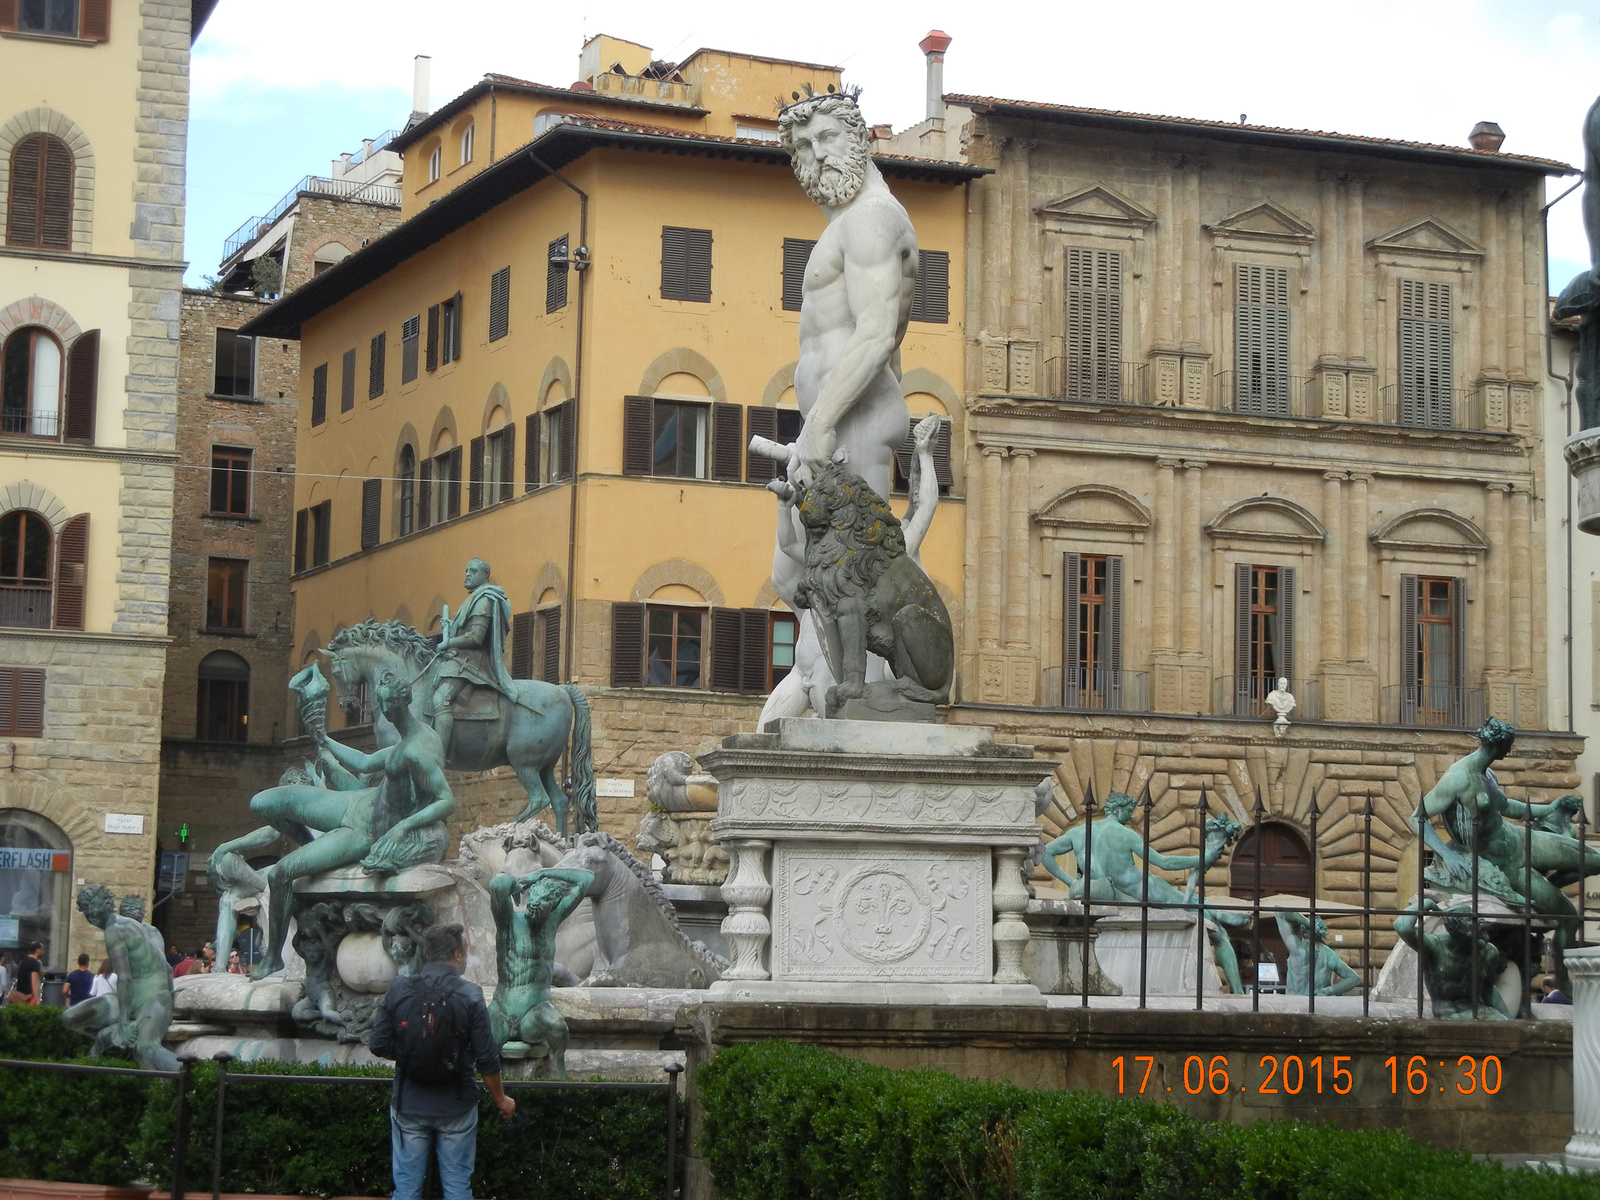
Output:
x=1430 y=408
x=24 y=607
x=1099 y=690
x=1246 y=696
x=348 y=189
x=43 y=422
x=1265 y=393
x=1435 y=705
x=1103 y=381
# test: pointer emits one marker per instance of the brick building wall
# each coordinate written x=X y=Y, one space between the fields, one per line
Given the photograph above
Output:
x=322 y=220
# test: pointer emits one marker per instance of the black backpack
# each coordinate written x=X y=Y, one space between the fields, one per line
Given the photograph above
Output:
x=427 y=1037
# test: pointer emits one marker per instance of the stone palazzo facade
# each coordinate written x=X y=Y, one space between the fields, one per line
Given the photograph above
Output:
x=1243 y=405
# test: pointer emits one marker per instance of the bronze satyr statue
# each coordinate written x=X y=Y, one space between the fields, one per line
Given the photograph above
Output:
x=1447 y=965
x=527 y=913
x=136 y=1016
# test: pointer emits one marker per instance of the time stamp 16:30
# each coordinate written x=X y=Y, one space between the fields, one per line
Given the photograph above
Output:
x=1294 y=1075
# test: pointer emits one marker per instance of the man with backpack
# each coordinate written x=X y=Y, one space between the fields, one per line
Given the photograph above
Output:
x=435 y=1026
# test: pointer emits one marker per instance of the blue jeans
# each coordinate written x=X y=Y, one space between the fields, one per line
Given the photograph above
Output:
x=413 y=1137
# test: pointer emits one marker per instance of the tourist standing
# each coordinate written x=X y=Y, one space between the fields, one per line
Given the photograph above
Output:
x=235 y=967
x=105 y=981
x=30 y=972
x=79 y=983
x=435 y=1026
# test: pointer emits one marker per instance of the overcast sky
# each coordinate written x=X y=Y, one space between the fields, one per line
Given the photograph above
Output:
x=279 y=90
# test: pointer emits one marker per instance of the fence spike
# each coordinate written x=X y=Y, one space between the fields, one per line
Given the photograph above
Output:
x=1260 y=808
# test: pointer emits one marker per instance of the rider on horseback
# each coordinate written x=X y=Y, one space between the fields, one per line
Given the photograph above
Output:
x=472 y=648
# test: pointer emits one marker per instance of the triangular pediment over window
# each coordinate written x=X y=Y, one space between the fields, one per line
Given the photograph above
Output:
x=1429 y=237
x=1264 y=219
x=1097 y=205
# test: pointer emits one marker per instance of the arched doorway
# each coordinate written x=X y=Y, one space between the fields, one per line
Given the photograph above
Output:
x=1285 y=869
x=35 y=884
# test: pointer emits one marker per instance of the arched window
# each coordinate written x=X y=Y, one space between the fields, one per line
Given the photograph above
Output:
x=434 y=162
x=224 y=698
x=39 y=211
x=408 y=490
x=36 y=891
x=25 y=590
x=30 y=383
x=466 y=145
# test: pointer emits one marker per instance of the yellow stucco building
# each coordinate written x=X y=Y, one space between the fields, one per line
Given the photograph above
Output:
x=556 y=363
x=93 y=114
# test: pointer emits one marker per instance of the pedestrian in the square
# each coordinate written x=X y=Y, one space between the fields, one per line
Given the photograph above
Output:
x=77 y=987
x=435 y=1026
x=25 y=988
x=105 y=981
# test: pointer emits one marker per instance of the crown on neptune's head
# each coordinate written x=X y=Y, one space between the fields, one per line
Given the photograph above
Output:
x=809 y=95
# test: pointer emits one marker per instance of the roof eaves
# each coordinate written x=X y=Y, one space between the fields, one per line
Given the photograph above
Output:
x=785 y=62
x=1302 y=138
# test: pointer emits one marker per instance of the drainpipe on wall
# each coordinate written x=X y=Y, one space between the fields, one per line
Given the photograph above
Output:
x=580 y=262
x=494 y=113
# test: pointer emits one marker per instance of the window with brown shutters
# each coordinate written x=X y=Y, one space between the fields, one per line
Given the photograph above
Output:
x=1433 y=652
x=321 y=532
x=499 y=304
x=72 y=573
x=453 y=490
x=930 y=299
x=319 y=395
x=555 y=279
x=83 y=387
x=1263 y=644
x=531 y=452
x=627 y=644
x=1427 y=359
x=39 y=204
x=302 y=544
x=566 y=458
x=425 y=493
x=371 y=511
x=638 y=434
x=522 y=645
x=547 y=644
x=233 y=364
x=347 y=381
x=94 y=21
x=433 y=337
x=89 y=20
x=727 y=442
x=1091 y=640
x=763 y=422
x=475 y=474
x=499 y=460
x=1092 y=364
x=25 y=570
x=408 y=349
x=1261 y=339
x=796 y=254
x=685 y=264
x=375 y=365
x=21 y=702
x=740 y=649
x=407 y=491
x=450 y=329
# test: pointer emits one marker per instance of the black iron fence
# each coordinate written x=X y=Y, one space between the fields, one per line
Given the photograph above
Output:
x=1363 y=917
x=183 y=1081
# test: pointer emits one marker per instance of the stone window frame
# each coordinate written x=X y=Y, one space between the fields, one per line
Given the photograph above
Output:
x=47 y=120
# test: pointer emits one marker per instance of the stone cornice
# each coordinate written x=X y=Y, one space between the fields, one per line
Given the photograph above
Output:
x=75 y=635
x=95 y=260
x=38 y=448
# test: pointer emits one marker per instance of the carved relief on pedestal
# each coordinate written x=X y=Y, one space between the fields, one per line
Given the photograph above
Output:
x=1332 y=400
x=1360 y=396
x=1521 y=407
x=1489 y=405
x=991 y=679
x=1165 y=389
x=1196 y=376
x=775 y=801
x=878 y=913
x=994 y=367
x=1021 y=674
x=1023 y=372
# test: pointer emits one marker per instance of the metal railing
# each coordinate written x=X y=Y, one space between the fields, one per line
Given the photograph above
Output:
x=39 y=422
x=1099 y=690
x=25 y=607
x=1246 y=696
x=1437 y=706
x=1429 y=408
x=378 y=143
x=1266 y=393
x=319 y=185
x=184 y=1079
x=1333 y=913
x=1103 y=380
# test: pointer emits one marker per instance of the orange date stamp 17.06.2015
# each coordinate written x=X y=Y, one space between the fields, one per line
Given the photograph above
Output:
x=1297 y=1074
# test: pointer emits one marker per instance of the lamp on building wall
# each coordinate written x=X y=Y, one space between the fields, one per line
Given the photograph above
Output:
x=577 y=259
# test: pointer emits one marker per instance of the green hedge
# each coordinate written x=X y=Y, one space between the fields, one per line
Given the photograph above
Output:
x=310 y=1139
x=787 y=1122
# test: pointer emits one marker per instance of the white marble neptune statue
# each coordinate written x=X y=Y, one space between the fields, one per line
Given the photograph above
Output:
x=856 y=300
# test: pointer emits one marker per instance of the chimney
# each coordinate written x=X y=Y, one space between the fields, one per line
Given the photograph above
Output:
x=934 y=46
x=421 y=82
x=1486 y=135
